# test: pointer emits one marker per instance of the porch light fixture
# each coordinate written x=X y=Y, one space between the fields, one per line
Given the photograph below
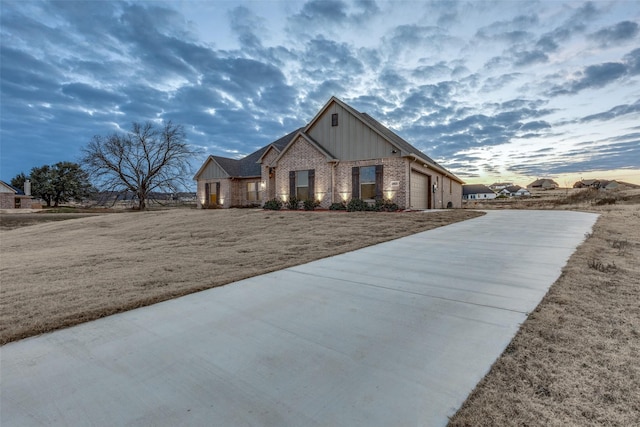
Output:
x=319 y=196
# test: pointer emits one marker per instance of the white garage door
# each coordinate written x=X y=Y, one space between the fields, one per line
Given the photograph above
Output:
x=419 y=191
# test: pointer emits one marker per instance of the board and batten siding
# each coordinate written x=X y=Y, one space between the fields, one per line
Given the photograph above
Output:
x=350 y=139
x=213 y=171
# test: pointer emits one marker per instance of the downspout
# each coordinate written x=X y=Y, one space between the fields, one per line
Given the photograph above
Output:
x=442 y=191
x=333 y=180
x=415 y=158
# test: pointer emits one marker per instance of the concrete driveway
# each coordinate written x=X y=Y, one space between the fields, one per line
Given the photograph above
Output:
x=397 y=334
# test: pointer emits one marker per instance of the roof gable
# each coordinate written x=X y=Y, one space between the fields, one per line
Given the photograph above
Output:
x=308 y=139
x=397 y=145
x=215 y=160
x=8 y=188
x=248 y=166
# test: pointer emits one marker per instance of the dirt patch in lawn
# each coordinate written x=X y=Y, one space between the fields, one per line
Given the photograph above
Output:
x=59 y=274
x=575 y=361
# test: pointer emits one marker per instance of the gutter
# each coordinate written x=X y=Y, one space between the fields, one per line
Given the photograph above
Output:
x=434 y=167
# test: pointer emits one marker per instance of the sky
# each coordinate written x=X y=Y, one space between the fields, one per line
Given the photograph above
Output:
x=495 y=91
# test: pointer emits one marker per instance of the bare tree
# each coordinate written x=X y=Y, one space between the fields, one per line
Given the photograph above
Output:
x=143 y=161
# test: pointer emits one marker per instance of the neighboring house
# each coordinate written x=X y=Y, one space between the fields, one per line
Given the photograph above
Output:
x=500 y=185
x=477 y=192
x=14 y=198
x=601 y=184
x=340 y=155
x=542 y=184
x=514 y=191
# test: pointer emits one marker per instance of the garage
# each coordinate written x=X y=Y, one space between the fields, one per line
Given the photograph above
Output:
x=420 y=185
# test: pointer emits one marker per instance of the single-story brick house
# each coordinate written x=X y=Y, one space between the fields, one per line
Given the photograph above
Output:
x=14 y=198
x=340 y=155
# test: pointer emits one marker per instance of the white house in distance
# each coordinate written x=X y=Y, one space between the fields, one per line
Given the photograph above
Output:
x=514 y=191
x=341 y=154
x=477 y=192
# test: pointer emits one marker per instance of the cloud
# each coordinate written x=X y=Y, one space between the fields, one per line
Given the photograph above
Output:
x=523 y=59
x=510 y=31
x=617 y=111
x=324 y=16
x=576 y=23
x=600 y=75
x=622 y=31
x=246 y=25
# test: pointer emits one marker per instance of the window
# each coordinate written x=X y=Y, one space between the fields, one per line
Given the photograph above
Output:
x=450 y=186
x=334 y=119
x=366 y=182
x=301 y=184
x=252 y=191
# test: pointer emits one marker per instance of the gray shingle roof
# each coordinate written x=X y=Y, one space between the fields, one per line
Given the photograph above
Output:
x=249 y=166
x=475 y=189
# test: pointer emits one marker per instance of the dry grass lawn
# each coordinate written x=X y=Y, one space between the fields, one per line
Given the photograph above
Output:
x=576 y=360
x=58 y=274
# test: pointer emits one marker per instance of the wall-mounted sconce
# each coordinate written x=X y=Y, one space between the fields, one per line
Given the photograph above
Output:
x=394 y=151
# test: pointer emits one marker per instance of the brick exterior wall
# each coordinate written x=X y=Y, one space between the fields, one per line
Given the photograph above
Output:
x=8 y=201
x=333 y=182
x=394 y=169
x=239 y=192
x=304 y=156
x=224 y=196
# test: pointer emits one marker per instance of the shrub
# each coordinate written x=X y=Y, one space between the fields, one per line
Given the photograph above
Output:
x=385 y=205
x=338 y=206
x=273 y=204
x=293 y=203
x=357 y=205
x=310 y=205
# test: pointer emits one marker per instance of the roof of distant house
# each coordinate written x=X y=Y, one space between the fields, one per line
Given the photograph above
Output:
x=17 y=191
x=476 y=189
